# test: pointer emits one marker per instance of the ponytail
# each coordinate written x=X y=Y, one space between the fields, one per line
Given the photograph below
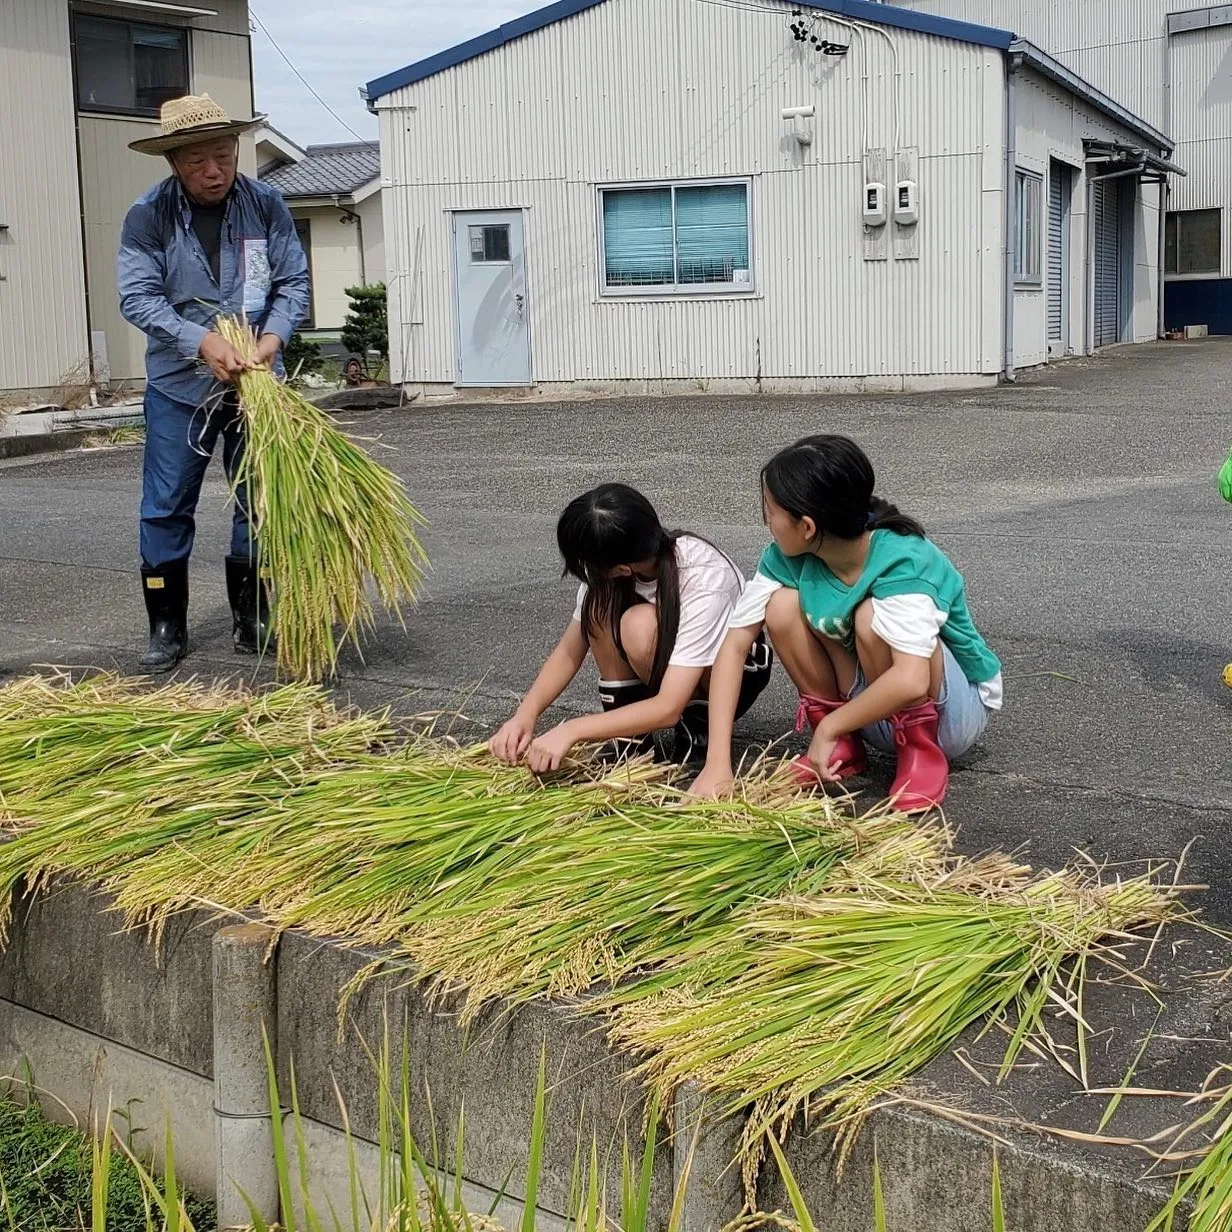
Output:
x=667 y=608
x=884 y=516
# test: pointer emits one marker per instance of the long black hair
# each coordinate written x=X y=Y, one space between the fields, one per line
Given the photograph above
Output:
x=831 y=480
x=613 y=525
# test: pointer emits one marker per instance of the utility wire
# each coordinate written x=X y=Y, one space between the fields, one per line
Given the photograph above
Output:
x=307 y=84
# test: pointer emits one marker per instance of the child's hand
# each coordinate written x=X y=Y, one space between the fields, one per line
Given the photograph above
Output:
x=821 y=755
x=511 y=742
x=550 y=750
x=713 y=782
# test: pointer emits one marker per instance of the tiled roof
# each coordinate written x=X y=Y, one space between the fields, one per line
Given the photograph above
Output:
x=328 y=169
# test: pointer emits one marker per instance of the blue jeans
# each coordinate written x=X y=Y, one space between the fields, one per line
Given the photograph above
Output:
x=963 y=715
x=179 y=441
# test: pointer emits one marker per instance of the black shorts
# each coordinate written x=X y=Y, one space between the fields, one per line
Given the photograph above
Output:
x=757 y=669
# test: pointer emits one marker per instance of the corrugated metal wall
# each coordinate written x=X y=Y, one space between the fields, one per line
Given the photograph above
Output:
x=42 y=293
x=1202 y=111
x=113 y=177
x=657 y=89
x=1117 y=45
x=1052 y=124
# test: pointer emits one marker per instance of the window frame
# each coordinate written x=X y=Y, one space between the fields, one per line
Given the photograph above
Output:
x=143 y=113
x=304 y=236
x=676 y=291
x=1193 y=275
x=1028 y=264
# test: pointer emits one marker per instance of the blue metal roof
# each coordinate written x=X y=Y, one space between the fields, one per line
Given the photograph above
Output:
x=857 y=10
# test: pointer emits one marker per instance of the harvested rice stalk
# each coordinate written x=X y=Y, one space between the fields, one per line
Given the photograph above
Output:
x=1207 y=1183
x=830 y=1000
x=97 y=775
x=349 y=852
x=629 y=891
x=326 y=516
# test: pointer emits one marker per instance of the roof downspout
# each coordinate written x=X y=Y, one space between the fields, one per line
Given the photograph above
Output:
x=1165 y=188
x=1012 y=64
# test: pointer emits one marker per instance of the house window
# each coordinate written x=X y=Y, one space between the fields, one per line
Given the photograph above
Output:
x=127 y=68
x=676 y=238
x=303 y=233
x=1193 y=242
x=1028 y=227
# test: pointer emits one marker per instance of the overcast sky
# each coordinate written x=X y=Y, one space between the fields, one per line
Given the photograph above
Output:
x=338 y=45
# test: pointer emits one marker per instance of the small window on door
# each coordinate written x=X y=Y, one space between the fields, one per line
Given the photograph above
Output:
x=490 y=245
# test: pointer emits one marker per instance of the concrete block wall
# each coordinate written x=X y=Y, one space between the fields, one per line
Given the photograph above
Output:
x=97 y=1015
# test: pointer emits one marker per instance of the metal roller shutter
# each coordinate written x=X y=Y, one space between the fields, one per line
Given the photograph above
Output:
x=1107 y=262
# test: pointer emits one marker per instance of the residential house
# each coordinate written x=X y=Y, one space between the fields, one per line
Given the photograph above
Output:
x=78 y=82
x=334 y=193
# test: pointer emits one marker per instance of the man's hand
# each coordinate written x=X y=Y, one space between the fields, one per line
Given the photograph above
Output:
x=268 y=347
x=224 y=360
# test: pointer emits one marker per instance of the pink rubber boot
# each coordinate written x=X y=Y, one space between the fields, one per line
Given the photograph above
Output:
x=848 y=749
x=923 y=768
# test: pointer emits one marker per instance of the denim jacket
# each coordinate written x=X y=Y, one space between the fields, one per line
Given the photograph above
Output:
x=168 y=291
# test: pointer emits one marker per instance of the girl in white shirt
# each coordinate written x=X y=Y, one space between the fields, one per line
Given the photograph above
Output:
x=653 y=608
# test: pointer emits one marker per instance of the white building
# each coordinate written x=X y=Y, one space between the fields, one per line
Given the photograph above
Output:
x=1168 y=61
x=611 y=194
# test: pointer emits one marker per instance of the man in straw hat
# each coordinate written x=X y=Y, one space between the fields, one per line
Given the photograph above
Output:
x=203 y=242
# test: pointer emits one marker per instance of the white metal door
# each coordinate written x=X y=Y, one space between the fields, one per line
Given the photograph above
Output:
x=492 y=307
x=1107 y=262
x=1058 y=259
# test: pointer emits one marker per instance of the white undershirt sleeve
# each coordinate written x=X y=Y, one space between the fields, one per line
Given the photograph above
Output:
x=910 y=624
x=751 y=607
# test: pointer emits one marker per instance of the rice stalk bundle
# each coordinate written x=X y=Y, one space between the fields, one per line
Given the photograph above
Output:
x=1207 y=1183
x=95 y=775
x=349 y=852
x=826 y=1002
x=327 y=519
x=629 y=891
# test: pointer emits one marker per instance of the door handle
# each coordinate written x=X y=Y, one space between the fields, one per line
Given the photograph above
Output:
x=520 y=301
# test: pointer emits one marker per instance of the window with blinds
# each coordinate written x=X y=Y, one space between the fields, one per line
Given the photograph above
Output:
x=676 y=238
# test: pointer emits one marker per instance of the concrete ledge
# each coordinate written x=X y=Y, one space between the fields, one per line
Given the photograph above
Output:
x=29 y=444
x=99 y=1015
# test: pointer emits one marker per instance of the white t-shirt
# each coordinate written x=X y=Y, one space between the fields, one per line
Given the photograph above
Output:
x=710 y=586
x=910 y=624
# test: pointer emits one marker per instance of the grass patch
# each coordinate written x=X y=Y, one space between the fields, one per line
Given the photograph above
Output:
x=46 y=1178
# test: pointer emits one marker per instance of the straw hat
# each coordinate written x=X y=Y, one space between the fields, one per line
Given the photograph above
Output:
x=188 y=120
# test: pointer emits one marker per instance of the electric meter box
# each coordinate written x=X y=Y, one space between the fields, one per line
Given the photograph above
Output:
x=875 y=214
x=906 y=203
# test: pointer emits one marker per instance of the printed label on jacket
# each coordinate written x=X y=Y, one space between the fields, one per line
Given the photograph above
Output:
x=257 y=276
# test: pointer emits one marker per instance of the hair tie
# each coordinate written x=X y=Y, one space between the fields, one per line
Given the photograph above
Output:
x=871 y=524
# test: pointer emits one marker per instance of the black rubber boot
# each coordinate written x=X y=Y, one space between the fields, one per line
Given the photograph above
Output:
x=614 y=696
x=693 y=733
x=251 y=629
x=166 y=603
